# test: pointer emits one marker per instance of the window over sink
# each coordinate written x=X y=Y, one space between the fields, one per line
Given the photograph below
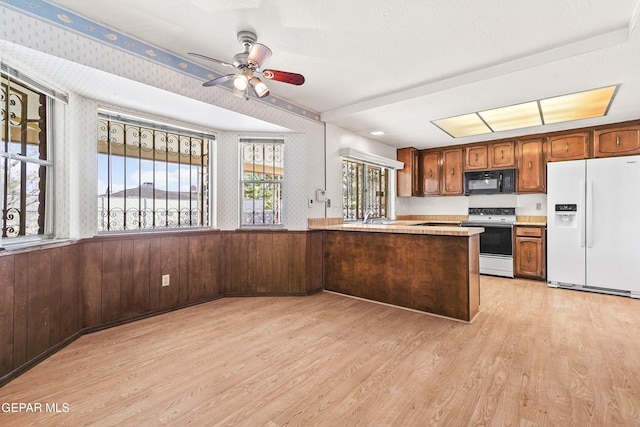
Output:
x=364 y=188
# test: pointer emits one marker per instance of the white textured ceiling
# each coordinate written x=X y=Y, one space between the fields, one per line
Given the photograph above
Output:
x=397 y=65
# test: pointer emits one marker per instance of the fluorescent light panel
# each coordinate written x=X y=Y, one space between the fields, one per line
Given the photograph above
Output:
x=512 y=117
x=575 y=106
x=466 y=125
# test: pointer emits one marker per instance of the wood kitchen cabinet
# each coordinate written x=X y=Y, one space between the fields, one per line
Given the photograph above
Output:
x=476 y=158
x=531 y=166
x=497 y=155
x=568 y=147
x=430 y=172
x=616 y=141
x=452 y=174
x=408 y=179
x=529 y=254
x=502 y=155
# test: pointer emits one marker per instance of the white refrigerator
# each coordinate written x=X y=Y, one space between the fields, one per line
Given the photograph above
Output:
x=593 y=225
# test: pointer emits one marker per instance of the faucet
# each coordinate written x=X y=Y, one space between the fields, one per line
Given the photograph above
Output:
x=367 y=214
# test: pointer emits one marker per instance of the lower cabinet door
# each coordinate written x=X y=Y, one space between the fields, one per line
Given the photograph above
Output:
x=529 y=257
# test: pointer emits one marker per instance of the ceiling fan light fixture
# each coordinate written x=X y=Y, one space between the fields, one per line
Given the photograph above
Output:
x=240 y=82
x=261 y=90
x=258 y=55
x=247 y=63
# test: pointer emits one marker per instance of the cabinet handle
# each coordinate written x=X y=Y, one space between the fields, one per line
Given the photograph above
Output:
x=528 y=256
x=617 y=141
x=530 y=164
x=567 y=148
x=502 y=154
x=430 y=173
x=476 y=157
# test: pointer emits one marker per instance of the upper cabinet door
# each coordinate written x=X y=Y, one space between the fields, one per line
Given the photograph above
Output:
x=502 y=155
x=568 y=147
x=430 y=172
x=452 y=183
x=616 y=142
x=531 y=166
x=407 y=179
x=476 y=158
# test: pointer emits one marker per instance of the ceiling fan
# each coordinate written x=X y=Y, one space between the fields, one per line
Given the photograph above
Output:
x=249 y=63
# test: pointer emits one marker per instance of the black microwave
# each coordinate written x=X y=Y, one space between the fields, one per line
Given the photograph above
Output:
x=490 y=182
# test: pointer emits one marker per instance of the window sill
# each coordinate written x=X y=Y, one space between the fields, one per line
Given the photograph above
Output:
x=262 y=228
x=31 y=245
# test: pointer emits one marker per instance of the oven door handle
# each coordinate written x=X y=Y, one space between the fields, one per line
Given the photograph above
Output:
x=485 y=224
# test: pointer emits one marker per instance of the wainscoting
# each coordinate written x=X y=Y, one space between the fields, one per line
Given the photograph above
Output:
x=53 y=294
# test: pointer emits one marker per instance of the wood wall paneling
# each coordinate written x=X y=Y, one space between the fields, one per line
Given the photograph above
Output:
x=141 y=268
x=111 y=280
x=174 y=261
x=283 y=250
x=20 y=306
x=155 y=272
x=55 y=298
x=7 y=297
x=264 y=262
x=38 y=293
x=240 y=263
x=70 y=305
x=213 y=267
x=297 y=264
x=91 y=284
x=197 y=252
x=126 y=278
x=314 y=254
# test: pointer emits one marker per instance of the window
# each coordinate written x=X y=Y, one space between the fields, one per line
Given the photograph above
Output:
x=151 y=176
x=364 y=188
x=26 y=164
x=262 y=177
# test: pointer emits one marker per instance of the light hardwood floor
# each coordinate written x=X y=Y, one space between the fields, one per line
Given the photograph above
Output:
x=534 y=356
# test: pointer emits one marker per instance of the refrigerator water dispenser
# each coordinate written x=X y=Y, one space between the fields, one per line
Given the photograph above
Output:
x=566 y=215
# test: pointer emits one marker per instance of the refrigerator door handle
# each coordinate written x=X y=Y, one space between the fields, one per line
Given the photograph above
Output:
x=581 y=216
x=589 y=214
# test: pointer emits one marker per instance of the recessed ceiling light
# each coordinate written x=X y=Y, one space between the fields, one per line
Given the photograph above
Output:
x=574 y=106
x=377 y=133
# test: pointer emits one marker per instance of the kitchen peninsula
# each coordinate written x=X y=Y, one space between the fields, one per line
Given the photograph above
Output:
x=434 y=269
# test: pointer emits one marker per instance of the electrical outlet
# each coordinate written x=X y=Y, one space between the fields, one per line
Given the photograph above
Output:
x=310 y=202
x=165 y=280
x=538 y=206
x=328 y=203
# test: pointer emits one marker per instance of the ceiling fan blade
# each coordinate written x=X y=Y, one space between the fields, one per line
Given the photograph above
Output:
x=258 y=55
x=284 y=76
x=226 y=64
x=219 y=80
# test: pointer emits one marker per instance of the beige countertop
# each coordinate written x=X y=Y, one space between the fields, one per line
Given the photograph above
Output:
x=403 y=227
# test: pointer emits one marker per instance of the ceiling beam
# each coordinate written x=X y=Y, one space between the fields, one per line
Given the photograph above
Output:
x=580 y=47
